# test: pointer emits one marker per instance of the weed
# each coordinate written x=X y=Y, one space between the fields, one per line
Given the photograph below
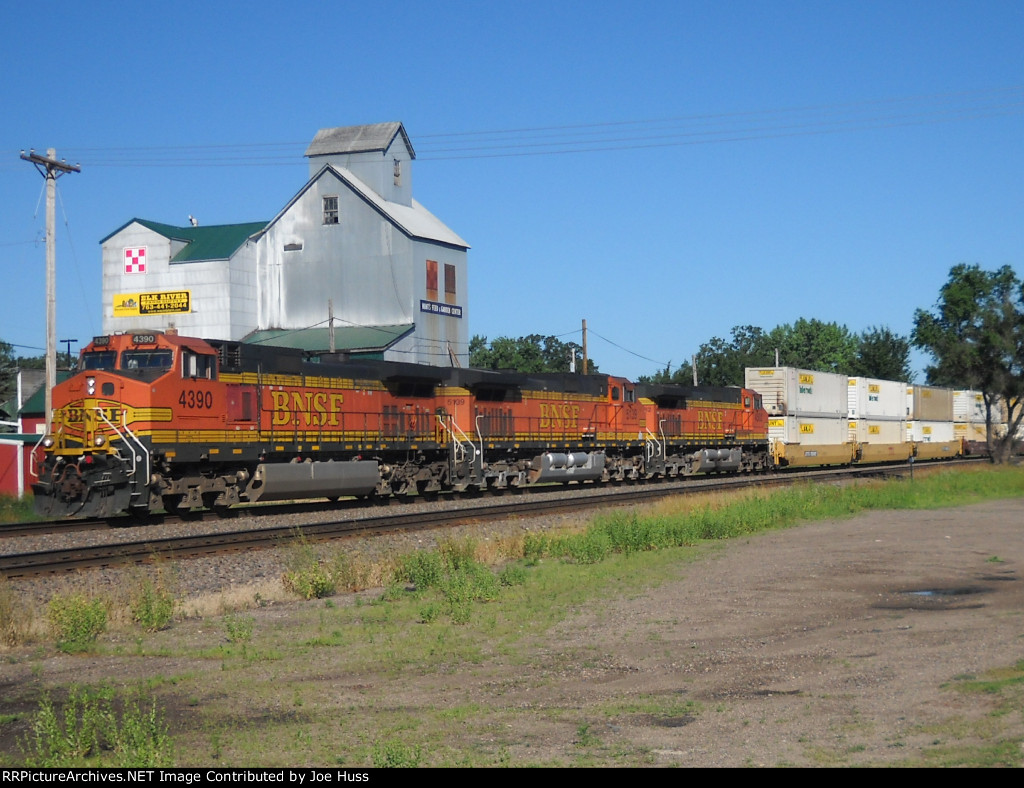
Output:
x=512 y=575
x=393 y=754
x=239 y=628
x=152 y=604
x=310 y=582
x=585 y=737
x=76 y=621
x=307 y=575
x=88 y=731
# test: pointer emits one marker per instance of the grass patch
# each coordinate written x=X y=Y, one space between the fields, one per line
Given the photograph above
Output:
x=17 y=620
x=17 y=510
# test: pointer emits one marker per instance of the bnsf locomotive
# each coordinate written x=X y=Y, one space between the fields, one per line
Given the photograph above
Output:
x=159 y=421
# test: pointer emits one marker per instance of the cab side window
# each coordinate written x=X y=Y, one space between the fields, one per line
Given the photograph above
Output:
x=195 y=365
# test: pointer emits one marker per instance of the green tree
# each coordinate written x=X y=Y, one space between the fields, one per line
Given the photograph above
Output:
x=882 y=354
x=8 y=372
x=533 y=353
x=814 y=344
x=976 y=337
x=808 y=344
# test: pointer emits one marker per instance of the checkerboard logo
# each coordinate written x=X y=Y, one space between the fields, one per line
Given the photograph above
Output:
x=135 y=260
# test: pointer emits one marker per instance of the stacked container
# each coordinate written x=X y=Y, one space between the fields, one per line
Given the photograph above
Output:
x=969 y=416
x=877 y=419
x=930 y=422
x=807 y=412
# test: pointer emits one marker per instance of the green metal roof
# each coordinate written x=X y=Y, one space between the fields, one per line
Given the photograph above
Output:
x=216 y=242
x=35 y=405
x=363 y=339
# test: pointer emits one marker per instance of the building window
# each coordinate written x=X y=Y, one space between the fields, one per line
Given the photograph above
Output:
x=431 y=280
x=398 y=172
x=331 y=209
x=449 y=283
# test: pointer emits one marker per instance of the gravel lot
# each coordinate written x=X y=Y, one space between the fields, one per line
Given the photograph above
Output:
x=835 y=643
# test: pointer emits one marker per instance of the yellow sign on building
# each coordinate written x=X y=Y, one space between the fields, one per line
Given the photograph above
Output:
x=135 y=304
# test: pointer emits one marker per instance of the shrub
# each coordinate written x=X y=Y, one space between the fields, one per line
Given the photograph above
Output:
x=89 y=732
x=239 y=628
x=423 y=568
x=152 y=605
x=512 y=575
x=307 y=575
x=314 y=581
x=395 y=754
x=76 y=621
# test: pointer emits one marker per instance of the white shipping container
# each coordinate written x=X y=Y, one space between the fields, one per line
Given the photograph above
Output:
x=969 y=407
x=929 y=403
x=878 y=431
x=808 y=430
x=977 y=433
x=787 y=391
x=869 y=398
x=930 y=431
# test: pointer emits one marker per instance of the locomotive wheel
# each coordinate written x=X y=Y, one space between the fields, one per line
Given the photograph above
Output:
x=172 y=505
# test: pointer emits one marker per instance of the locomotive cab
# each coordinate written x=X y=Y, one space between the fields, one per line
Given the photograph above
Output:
x=97 y=455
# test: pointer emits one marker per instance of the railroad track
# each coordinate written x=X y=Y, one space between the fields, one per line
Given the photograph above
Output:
x=21 y=565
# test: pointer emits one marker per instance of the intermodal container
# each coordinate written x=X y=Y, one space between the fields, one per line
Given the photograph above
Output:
x=929 y=403
x=879 y=400
x=927 y=431
x=788 y=391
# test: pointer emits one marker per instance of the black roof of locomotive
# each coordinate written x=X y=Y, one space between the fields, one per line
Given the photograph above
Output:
x=665 y=393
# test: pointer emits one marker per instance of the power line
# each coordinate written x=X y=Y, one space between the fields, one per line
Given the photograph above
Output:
x=606 y=136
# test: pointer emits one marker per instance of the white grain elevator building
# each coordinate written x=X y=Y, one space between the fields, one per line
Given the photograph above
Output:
x=353 y=242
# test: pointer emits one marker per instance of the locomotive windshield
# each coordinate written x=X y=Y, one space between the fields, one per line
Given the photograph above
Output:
x=147 y=359
x=99 y=359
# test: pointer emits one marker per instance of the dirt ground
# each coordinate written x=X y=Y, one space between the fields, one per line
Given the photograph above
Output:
x=836 y=643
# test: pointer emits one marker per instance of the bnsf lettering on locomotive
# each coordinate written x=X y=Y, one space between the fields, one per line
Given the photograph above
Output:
x=559 y=417
x=306 y=408
x=709 y=420
x=79 y=415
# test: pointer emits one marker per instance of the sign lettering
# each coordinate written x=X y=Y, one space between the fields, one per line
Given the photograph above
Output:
x=305 y=408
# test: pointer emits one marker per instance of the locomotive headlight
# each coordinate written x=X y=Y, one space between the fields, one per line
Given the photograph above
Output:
x=91 y=384
x=98 y=441
x=48 y=442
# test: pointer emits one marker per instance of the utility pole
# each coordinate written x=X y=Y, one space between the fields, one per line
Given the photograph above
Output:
x=69 y=342
x=584 y=347
x=51 y=169
x=330 y=322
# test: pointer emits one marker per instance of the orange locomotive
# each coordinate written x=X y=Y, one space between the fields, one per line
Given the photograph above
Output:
x=159 y=421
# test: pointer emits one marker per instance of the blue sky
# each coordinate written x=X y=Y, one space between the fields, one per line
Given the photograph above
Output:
x=663 y=170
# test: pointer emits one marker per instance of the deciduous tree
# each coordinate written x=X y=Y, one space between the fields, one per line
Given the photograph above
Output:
x=976 y=337
x=533 y=353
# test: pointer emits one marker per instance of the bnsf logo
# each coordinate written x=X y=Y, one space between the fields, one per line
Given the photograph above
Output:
x=559 y=417
x=306 y=408
x=79 y=415
x=710 y=420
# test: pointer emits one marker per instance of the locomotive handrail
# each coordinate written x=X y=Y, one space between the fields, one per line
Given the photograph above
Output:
x=32 y=454
x=458 y=446
x=652 y=441
x=135 y=439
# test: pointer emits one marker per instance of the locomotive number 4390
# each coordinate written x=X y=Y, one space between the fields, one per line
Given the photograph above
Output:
x=194 y=398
